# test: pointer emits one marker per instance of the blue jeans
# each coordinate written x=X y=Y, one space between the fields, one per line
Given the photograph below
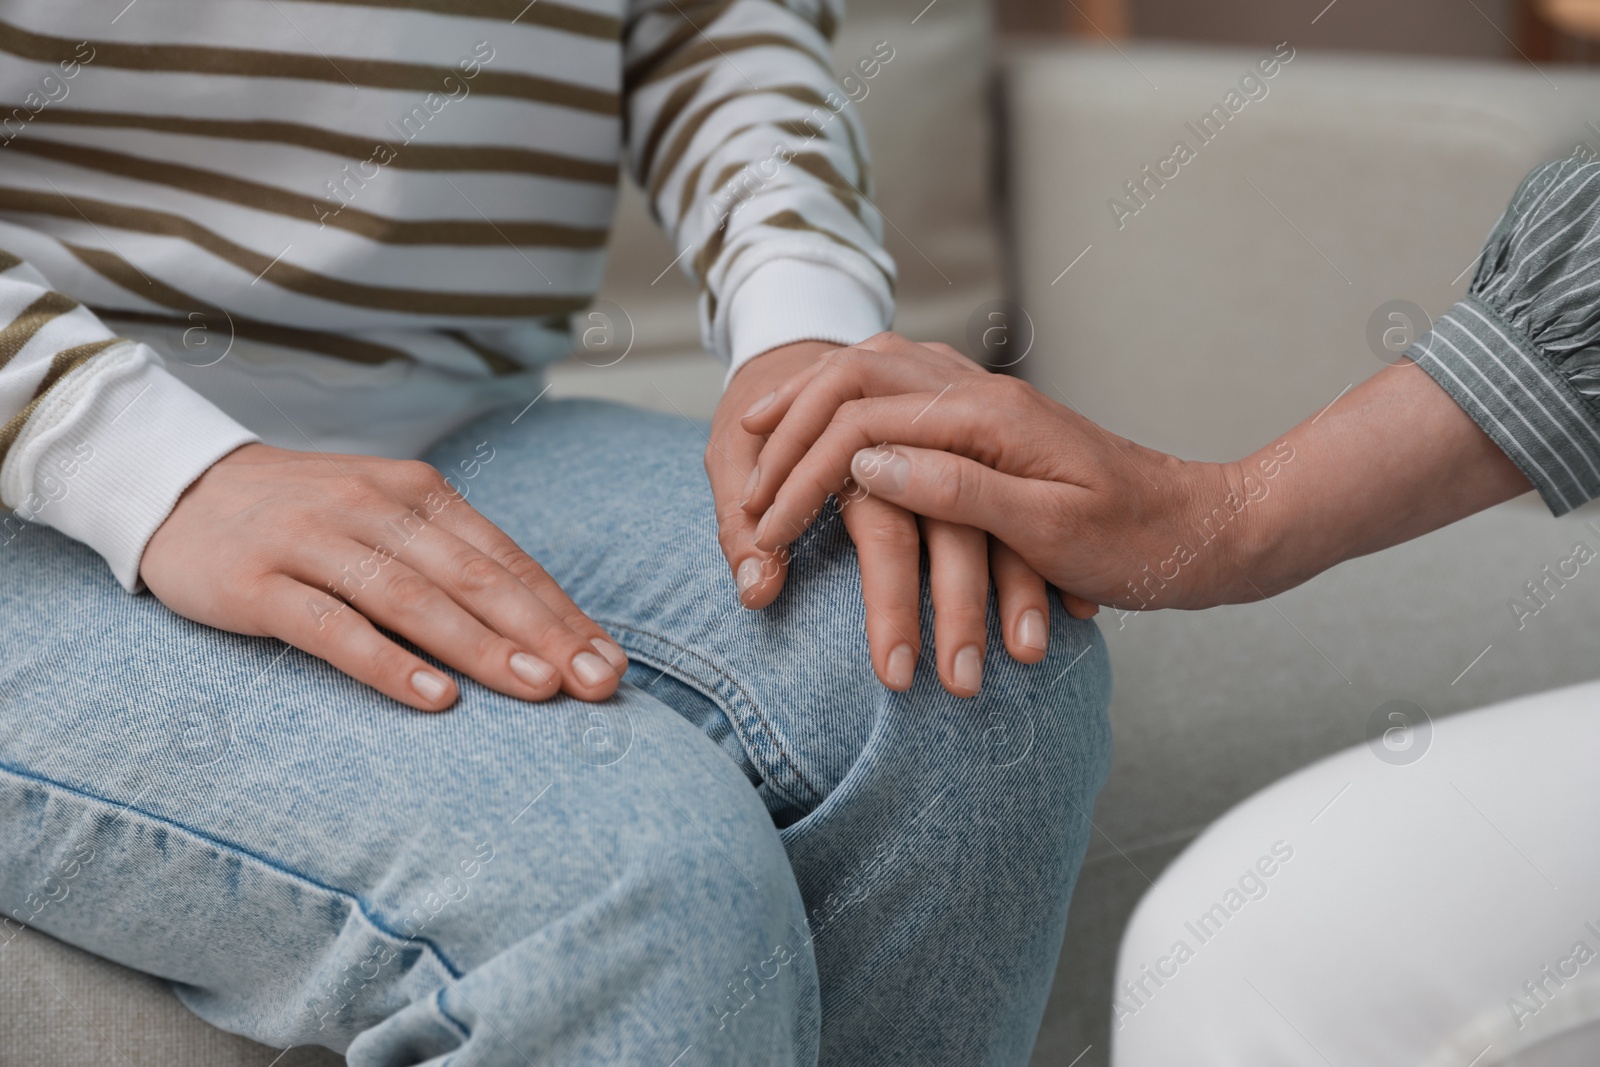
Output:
x=753 y=853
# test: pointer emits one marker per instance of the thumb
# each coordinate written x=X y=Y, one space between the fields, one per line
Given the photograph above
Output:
x=941 y=485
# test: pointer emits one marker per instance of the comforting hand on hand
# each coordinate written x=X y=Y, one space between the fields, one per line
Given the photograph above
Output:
x=922 y=428
x=888 y=539
x=320 y=551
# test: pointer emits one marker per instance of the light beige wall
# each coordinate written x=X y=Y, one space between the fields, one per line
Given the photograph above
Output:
x=1237 y=300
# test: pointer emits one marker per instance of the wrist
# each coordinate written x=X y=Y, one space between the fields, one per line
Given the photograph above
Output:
x=1204 y=519
x=785 y=356
x=1254 y=563
x=763 y=373
x=116 y=478
x=1225 y=522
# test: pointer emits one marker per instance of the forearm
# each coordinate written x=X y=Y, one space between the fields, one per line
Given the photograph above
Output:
x=755 y=165
x=1392 y=459
x=1502 y=398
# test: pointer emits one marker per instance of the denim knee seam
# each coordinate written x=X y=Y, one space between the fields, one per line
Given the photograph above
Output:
x=362 y=906
x=444 y=1013
x=778 y=769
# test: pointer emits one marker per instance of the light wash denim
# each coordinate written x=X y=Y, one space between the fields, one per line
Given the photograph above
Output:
x=753 y=854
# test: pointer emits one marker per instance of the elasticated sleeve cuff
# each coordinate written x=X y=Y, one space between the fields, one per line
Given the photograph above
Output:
x=789 y=300
x=110 y=450
x=1518 y=398
x=1521 y=352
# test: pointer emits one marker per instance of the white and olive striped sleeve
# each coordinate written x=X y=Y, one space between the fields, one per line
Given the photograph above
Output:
x=96 y=438
x=1521 y=351
x=755 y=164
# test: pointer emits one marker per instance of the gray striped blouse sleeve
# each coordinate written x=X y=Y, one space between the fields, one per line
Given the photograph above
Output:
x=1521 y=351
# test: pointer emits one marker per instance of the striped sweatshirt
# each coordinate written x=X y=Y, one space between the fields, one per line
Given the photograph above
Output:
x=357 y=224
x=1521 y=351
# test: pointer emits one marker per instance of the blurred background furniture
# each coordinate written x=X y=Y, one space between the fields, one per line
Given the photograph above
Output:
x=1576 y=18
x=1569 y=29
x=1231 y=306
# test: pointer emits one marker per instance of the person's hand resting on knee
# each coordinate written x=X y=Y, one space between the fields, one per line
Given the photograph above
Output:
x=962 y=558
x=319 y=551
x=1500 y=396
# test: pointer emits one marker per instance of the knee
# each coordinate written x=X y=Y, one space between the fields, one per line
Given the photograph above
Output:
x=1047 y=720
x=657 y=881
x=1038 y=732
x=741 y=923
x=714 y=854
x=707 y=898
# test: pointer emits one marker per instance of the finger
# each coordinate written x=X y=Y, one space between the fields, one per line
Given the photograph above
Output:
x=1078 y=607
x=933 y=483
x=890 y=553
x=958 y=579
x=826 y=467
x=326 y=627
x=441 y=504
x=417 y=607
x=1024 y=608
x=472 y=527
x=900 y=344
x=871 y=355
x=765 y=413
x=758 y=574
x=945 y=486
x=505 y=610
x=945 y=350
x=849 y=374
x=959 y=420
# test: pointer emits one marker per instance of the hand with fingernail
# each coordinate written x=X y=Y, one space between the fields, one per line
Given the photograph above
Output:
x=320 y=551
x=963 y=559
x=925 y=429
x=1105 y=520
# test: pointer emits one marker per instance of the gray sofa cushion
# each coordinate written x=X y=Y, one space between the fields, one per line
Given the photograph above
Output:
x=60 y=1007
x=1212 y=320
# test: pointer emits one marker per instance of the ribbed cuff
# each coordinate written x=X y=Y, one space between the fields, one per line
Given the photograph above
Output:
x=789 y=300
x=1519 y=398
x=108 y=453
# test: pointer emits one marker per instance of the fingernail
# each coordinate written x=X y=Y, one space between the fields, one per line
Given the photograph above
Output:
x=612 y=652
x=968 y=669
x=902 y=662
x=429 y=686
x=591 y=669
x=749 y=575
x=531 y=669
x=750 y=484
x=1031 y=630
x=884 y=470
x=761 y=405
x=761 y=527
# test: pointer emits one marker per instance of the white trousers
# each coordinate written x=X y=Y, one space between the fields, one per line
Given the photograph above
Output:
x=1419 y=901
